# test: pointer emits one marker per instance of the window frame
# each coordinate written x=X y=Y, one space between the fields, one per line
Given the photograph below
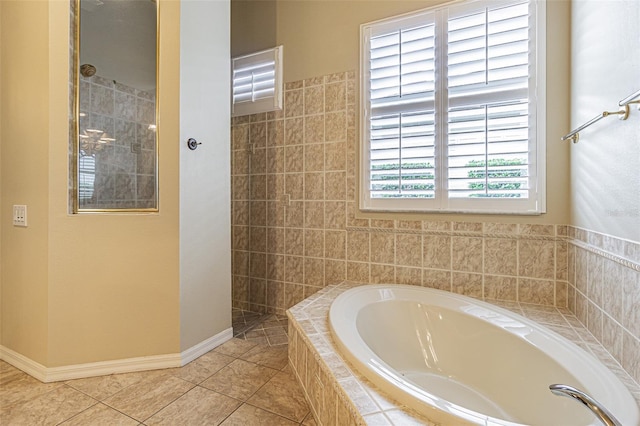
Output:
x=535 y=204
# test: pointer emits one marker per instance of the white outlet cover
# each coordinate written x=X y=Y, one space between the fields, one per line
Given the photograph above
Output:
x=20 y=215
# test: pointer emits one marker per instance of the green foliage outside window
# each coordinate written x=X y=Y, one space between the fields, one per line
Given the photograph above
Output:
x=472 y=174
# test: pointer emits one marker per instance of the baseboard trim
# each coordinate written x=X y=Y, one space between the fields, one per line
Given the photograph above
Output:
x=29 y=366
x=103 y=368
x=205 y=346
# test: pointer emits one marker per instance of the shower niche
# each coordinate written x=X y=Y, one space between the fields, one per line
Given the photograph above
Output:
x=115 y=155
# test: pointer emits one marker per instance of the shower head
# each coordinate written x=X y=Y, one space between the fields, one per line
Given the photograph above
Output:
x=87 y=70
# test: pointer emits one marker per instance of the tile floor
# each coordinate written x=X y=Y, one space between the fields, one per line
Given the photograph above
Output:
x=246 y=381
x=265 y=329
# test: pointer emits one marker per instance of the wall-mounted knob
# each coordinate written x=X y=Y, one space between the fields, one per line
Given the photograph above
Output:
x=193 y=144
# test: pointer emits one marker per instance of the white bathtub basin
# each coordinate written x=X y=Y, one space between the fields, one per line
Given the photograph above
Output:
x=458 y=360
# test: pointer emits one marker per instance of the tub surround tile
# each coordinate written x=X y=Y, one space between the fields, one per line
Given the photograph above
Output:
x=613 y=286
x=314 y=272
x=383 y=248
x=358 y=272
x=313 y=243
x=612 y=335
x=438 y=279
x=358 y=395
x=410 y=276
x=606 y=290
x=500 y=228
x=408 y=250
x=536 y=259
x=316 y=363
x=358 y=246
x=382 y=274
x=631 y=303
x=630 y=359
x=474 y=227
x=467 y=284
x=467 y=254
x=300 y=181
x=437 y=252
x=383 y=223
x=594 y=278
x=500 y=256
x=335 y=271
x=500 y=287
x=540 y=292
x=404 y=417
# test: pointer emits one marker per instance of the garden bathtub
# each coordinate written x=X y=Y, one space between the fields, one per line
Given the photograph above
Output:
x=458 y=360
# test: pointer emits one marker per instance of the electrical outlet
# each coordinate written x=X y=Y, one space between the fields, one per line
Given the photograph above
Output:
x=19 y=215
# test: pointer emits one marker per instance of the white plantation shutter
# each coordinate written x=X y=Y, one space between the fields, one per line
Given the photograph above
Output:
x=257 y=82
x=86 y=176
x=449 y=120
x=402 y=67
x=488 y=70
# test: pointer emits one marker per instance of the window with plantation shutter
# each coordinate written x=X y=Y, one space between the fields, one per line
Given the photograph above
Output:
x=257 y=82
x=449 y=109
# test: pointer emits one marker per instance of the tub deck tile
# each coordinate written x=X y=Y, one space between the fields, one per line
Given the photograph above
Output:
x=316 y=361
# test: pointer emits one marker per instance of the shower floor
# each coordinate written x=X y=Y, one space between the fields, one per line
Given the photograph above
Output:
x=266 y=329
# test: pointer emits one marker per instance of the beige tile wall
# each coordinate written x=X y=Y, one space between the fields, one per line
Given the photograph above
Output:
x=295 y=229
x=604 y=292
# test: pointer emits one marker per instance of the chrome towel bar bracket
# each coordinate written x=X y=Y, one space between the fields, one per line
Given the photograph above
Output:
x=622 y=113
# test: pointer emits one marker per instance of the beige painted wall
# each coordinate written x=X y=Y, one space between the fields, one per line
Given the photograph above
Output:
x=253 y=26
x=25 y=144
x=80 y=288
x=605 y=164
x=322 y=37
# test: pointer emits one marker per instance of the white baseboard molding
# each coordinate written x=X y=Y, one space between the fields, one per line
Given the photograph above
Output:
x=205 y=346
x=103 y=368
x=32 y=368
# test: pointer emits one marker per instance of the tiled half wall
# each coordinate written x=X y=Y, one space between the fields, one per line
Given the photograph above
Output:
x=295 y=230
x=604 y=292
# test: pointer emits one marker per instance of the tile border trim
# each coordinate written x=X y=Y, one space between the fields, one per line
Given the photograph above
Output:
x=603 y=253
x=514 y=236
